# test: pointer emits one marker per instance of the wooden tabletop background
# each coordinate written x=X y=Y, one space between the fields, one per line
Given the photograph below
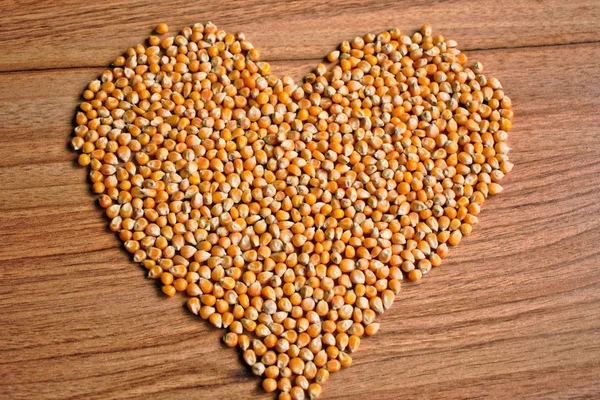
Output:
x=513 y=313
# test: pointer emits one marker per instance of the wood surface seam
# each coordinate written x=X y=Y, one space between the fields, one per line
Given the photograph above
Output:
x=315 y=59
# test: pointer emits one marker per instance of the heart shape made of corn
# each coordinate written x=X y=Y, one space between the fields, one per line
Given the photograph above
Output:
x=291 y=213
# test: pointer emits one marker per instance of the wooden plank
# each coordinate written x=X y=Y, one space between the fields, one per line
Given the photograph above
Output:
x=513 y=313
x=72 y=33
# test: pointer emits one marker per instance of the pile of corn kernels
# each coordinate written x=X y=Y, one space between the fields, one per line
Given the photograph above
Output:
x=291 y=213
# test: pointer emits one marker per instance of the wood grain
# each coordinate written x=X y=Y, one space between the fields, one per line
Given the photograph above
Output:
x=78 y=34
x=513 y=313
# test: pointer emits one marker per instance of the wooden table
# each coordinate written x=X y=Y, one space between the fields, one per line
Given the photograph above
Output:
x=513 y=313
